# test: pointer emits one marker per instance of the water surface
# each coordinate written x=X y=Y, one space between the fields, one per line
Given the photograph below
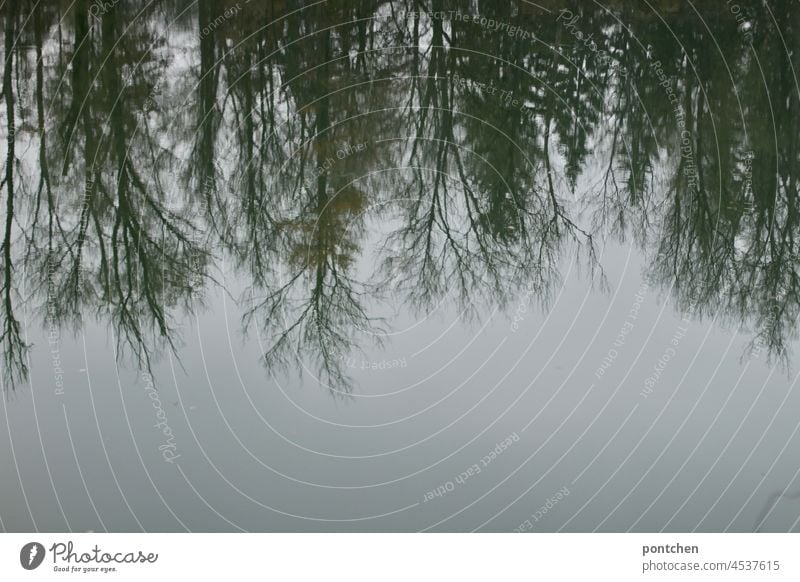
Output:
x=399 y=266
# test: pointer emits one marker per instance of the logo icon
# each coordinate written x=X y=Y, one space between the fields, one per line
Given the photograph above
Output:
x=32 y=555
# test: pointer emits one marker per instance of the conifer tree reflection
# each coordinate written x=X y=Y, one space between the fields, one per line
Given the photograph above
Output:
x=307 y=300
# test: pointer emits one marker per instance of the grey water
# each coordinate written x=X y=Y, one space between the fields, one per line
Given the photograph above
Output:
x=364 y=265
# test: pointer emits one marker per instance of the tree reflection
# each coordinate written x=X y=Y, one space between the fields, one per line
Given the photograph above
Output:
x=474 y=159
x=14 y=348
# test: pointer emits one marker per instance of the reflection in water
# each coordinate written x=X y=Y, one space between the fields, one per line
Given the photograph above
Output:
x=473 y=156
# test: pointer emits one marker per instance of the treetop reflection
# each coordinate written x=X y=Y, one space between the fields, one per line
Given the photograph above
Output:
x=144 y=144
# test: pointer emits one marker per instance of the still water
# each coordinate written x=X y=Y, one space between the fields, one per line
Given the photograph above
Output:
x=368 y=265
